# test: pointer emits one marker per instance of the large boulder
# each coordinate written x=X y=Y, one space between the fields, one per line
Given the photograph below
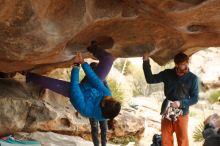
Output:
x=35 y=33
x=128 y=123
x=25 y=107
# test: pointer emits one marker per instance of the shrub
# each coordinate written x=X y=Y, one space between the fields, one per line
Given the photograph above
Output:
x=124 y=140
x=122 y=65
x=197 y=133
x=116 y=90
x=192 y=114
x=214 y=97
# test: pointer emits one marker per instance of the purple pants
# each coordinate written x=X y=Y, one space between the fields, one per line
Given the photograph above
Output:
x=62 y=87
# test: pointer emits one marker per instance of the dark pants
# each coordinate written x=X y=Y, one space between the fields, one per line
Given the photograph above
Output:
x=95 y=131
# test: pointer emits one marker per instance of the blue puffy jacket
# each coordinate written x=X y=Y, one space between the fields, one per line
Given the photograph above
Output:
x=86 y=97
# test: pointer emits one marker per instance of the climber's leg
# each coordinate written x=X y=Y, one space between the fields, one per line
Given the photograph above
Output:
x=105 y=62
x=58 y=86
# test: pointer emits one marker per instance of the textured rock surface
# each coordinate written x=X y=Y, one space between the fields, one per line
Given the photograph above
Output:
x=53 y=139
x=205 y=64
x=39 y=32
x=23 y=108
x=128 y=123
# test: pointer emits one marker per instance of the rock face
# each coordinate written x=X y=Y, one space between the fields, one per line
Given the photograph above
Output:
x=33 y=33
x=23 y=109
x=26 y=108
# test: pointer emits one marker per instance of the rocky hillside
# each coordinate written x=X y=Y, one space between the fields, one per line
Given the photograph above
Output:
x=205 y=64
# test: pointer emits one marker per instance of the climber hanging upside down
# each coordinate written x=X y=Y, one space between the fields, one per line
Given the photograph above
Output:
x=90 y=97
